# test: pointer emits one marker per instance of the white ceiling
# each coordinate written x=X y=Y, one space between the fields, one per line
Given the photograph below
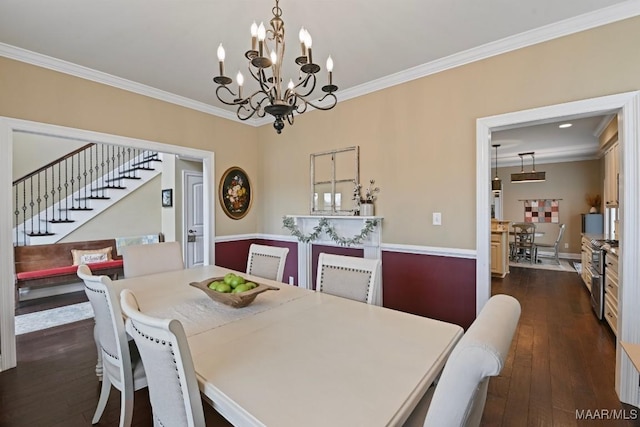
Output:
x=549 y=142
x=169 y=46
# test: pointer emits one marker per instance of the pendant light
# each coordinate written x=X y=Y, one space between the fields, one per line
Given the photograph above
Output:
x=522 y=176
x=496 y=183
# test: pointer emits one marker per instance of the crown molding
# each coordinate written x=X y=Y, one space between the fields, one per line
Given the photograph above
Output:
x=563 y=28
x=86 y=73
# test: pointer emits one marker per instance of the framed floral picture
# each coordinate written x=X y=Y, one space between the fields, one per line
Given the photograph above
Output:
x=235 y=193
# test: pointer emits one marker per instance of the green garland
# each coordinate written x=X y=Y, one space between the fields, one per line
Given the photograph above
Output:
x=323 y=224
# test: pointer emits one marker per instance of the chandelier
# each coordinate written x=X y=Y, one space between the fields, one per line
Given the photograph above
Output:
x=265 y=66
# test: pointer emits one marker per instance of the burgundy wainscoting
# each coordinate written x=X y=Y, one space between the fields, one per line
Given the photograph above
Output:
x=334 y=250
x=234 y=255
x=438 y=287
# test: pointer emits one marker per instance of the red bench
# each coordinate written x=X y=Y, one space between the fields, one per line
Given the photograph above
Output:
x=42 y=266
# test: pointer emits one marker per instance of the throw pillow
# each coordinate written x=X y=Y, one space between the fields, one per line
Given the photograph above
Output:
x=88 y=256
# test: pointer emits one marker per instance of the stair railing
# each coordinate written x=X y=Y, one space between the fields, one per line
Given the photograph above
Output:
x=49 y=194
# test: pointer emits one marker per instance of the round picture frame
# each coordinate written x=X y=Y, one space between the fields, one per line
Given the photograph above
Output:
x=234 y=192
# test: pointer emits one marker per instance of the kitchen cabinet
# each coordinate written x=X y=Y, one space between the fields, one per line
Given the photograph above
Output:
x=611 y=291
x=499 y=248
x=611 y=175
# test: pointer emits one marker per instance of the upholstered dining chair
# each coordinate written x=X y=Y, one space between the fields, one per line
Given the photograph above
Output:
x=173 y=388
x=140 y=260
x=459 y=397
x=267 y=261
x=122 y=367
x=555 y=245
x=348 y=277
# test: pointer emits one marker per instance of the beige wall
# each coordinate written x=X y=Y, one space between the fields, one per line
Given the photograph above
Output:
x=31 y=152
x=418 y=139
x=570 y=182
x=40 y=95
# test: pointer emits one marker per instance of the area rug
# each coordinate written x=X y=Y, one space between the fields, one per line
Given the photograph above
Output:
x=39 y=320
x=546 y=264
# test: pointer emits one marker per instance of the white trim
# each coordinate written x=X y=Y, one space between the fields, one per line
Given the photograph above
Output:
x=386 y=247
x=429 y=250
x=7 y=288
x=563 y=28
x=628 y=107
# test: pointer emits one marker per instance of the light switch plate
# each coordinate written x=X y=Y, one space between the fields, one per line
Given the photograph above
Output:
x=437 y=218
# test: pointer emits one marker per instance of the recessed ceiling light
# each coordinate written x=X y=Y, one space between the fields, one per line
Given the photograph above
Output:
x=565 y=125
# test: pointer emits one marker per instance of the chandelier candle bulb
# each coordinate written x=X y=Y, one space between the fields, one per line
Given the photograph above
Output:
x=330 y=69
x=221 y=59
x=254 y=35
x=262 y=34
x=308 y=42
x=240 y=79
x=302 y=35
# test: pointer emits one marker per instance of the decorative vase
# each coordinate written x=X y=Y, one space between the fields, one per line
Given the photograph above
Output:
x=367 y=209
x=593 y=210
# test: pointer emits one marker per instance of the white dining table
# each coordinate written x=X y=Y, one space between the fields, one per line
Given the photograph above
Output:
x=296 y=357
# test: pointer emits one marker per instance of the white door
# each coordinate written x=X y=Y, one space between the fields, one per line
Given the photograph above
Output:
x=193 y=219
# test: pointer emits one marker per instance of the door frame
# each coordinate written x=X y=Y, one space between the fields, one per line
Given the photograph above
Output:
x=10 y=125
x=627 y=106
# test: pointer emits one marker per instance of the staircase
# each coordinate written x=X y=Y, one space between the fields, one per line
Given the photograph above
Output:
x=61 y=196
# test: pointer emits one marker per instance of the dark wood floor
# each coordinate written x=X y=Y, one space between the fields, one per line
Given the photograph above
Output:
x=562 y=360
x=55 y=384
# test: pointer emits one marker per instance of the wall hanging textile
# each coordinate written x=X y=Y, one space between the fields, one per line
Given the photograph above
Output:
x=543 y=210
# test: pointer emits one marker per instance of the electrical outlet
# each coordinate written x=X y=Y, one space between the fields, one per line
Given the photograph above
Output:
x=291 y=280
x=437 y=218
x=566 y=246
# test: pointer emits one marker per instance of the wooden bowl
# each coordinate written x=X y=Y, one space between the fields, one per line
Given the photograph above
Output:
x=241 y=299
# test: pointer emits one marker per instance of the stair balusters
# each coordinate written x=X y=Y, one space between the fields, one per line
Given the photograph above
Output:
x=45 y=197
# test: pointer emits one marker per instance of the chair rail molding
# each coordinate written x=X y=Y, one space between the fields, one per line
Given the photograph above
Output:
x=345 y=226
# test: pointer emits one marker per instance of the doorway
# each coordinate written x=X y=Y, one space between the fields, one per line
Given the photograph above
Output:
x=628 y=107
x=7 y=127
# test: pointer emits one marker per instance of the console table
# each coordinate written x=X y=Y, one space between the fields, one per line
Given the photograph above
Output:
x=345 y=226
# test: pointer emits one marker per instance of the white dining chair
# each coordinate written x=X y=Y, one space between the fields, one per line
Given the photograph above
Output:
x=122 y=367
x=348 y=277
x=267 y=261
x=173 y=388
x=140 y=260
x=459 y=397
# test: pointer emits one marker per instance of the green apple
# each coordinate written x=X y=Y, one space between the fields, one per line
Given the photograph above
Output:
x=251 y=285
x=236 y=280
x=241 y=288
x=223 y=288
x=228 y=278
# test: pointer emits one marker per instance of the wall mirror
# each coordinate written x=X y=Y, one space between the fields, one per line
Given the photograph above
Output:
x=333 y=177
